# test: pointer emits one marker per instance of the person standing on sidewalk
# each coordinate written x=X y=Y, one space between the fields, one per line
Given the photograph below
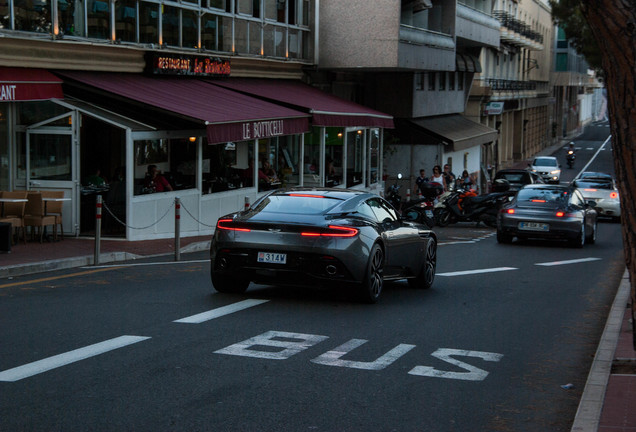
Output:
x=420 y=180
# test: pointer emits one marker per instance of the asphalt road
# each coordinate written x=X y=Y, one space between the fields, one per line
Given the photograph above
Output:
x=151 y=347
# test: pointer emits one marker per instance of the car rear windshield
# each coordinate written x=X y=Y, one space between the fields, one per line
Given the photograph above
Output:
x=545 y=162
x=592 y=184
x=297 y=204
x=511 y=177
x=546 y=196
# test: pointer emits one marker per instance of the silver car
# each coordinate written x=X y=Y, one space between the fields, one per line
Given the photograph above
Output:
x=547 y=167
x=600 y=188
x=549 y=212
x=321 y=237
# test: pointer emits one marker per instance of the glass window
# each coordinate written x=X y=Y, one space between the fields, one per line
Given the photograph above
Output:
x=562 y=62
x=148 y=22
x=355 y=148
x=225 y=43
x=173 y=159
x=32 y=16
x=451 y=81
x=296 y=204
x=383 y=213
x=98 y=19
x=460 y=81
x=241 y=44
x=334 y=156
x=126 y=20
x=373 y=156
x=70 y=17
x=311 y=168
x=209 y=34
x=170 y=25
x=294 y=44
x=190 y=28
x=278 y=162
x=279 y=42
x=255 y=38
x=419 y=81
x=271 y=9
x=34 y=112
x=442 y=80
x=228 y=166
x=431 y=81
x=245 y=7
x=217 y=4
x=50 y=157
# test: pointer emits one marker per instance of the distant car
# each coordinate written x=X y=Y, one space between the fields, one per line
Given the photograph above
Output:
x=518 y=177
x=323 y=237
x=549 y=212
x=600 y=188
x=547 y=167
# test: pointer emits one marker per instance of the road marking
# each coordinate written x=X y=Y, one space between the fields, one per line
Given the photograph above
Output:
x=469 y=272
x=602 y=147
x=150 y=264
x=40 y=366
x=33 y=281
x=574 y=261
x=219 y=312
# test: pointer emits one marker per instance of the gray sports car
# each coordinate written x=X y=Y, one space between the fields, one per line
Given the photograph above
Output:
x=550 y=212
x=321 y=237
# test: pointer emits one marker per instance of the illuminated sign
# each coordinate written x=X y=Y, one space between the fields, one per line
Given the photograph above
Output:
x=175 y=64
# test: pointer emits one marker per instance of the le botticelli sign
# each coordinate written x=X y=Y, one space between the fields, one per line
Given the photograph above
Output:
x=175 y=64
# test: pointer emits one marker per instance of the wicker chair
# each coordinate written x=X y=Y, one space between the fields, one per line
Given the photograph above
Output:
x=34 y=216
x=14 y=213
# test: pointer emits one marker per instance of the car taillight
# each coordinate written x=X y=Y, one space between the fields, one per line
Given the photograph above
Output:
x=332 y=231
x=509 y=211
x=560 y=214
x=537 y=200
x=613 y=195
x=229 y=224
x=305 y=195
x=589 y=190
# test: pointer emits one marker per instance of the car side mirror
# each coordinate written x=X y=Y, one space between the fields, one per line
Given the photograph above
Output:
x=591 y=203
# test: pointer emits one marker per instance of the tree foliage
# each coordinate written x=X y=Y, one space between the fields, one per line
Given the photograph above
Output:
x=568 y=16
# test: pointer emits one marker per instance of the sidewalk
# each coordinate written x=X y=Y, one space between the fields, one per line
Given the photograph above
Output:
x=608 y=403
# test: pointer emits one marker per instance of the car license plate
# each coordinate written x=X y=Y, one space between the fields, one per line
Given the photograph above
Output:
x=533 y=226
x=272 y=258
x=429 y=213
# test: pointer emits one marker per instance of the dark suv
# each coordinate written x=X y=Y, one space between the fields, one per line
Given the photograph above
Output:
x=518 y=177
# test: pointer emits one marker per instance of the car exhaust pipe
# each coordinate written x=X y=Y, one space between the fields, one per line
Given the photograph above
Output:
x=331 y=269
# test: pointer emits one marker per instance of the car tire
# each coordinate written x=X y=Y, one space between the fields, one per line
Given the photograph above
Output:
x=503 y=238
x=226 y=283
x=579 y=240
x=426 y=276
x=591 y=238
x=371 y=287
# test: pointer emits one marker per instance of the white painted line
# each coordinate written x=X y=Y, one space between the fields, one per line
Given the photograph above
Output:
x=574 y=261
x=147 y=264
x=602 y=147
x=219 y=312
x=40 y=366
x=469 y=272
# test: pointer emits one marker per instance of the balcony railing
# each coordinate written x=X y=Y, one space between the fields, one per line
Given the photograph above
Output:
x=517 y=26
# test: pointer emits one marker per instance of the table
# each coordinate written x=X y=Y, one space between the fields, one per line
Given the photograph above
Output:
x=10 y=200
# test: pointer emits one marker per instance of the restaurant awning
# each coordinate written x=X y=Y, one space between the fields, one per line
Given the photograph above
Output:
x=467 y=63
x=326 y=109
x=227 y=115
x=457 y=130
x=25 y=84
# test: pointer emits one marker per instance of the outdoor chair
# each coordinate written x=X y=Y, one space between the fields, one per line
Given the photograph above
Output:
x=14 y=213
x=54 y=208
x=34 y=216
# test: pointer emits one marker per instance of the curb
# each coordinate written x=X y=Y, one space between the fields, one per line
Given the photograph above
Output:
x=588 y=414
x=88 y=260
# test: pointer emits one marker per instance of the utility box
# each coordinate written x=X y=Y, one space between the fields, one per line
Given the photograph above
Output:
x=5 y=237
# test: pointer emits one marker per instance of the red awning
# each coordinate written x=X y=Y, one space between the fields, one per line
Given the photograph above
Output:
x=326 y=109
x=228 y=115
x=23 y=84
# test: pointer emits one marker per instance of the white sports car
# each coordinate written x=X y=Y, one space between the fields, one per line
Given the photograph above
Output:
x=600 y=188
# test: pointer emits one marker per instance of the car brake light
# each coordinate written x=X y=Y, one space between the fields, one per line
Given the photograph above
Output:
x=332 y=231
x=560 y=214
x=537 y=200
x=589 y=190
x=510 y=211
x=306 y=195
x=613 y=195
x=228 y=224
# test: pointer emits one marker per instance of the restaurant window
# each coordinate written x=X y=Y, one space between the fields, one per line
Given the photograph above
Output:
x=175 y=159
x=70 y=18
x=148 y=22
x=190 y=28
x=98 y=19
x=50 y=157
x=312 y=158
x=373 y=156
x=227 y=166
x=126 y=20
x=210 y=34
x=35 y=112
x=334 y=156
x=278 y=162
x=169 y=25
x=32 y=16
x=355 y=149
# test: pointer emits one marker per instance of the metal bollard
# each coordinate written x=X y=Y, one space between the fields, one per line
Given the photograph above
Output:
x=247 y=203
x=177 y=229
x=98 y=228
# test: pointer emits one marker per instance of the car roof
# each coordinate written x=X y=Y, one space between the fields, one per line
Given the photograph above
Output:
x=512 y=170
x=594 y=175
x=544 y=157
x=350 y=197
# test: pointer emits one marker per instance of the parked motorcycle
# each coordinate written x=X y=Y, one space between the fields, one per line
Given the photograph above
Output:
x=464 y=205
x=393 y=194
x=422 y=210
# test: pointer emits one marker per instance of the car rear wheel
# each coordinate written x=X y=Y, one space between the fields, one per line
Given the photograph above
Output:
x=372 y=285
x=229 y=283
x=579 y=240
x=503 y=238
x=425 y=278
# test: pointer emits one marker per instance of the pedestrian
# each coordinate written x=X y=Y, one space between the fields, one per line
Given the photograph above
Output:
x=438 y=177
x=420 y=180
x=448 y=176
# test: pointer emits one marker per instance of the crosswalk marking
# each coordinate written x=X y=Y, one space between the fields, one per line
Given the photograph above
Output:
x=469 y=272
x=219 y=312
x=44 y=365
x=574 y=261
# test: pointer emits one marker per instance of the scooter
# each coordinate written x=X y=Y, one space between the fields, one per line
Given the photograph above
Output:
x=570 y=158
x=422 y=210
x=463 y=205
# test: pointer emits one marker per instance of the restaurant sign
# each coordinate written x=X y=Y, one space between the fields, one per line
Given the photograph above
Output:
x=178 y=64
